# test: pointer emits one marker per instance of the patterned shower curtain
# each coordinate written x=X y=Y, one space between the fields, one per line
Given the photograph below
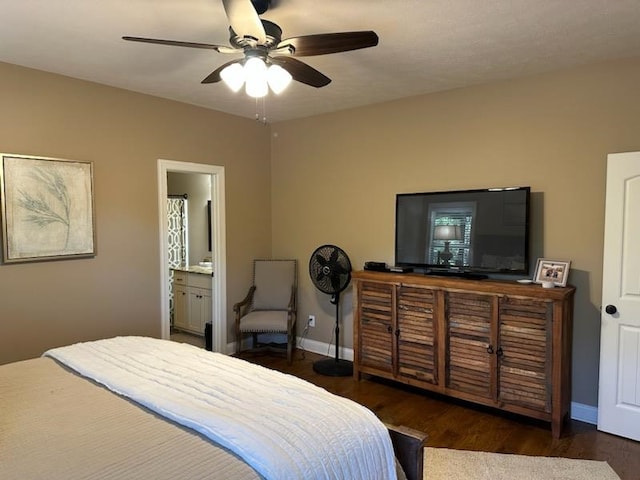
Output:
x=177 y=242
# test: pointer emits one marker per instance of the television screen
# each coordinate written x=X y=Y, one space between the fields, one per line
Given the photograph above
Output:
x=484 y=231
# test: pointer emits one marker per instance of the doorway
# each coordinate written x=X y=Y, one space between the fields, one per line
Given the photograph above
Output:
x=218 y=249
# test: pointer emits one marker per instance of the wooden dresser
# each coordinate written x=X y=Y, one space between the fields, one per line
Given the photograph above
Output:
x=496 y=343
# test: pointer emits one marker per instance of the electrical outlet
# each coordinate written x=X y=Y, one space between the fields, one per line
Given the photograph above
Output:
x=311 y=321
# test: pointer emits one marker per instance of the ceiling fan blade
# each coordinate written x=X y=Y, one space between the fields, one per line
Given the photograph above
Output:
x=324 y=43
x=178 y=43
x=214 y=76
x=244 y=19
x=301 y=72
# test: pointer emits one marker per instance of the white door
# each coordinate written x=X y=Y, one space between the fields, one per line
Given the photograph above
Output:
x=619 y=389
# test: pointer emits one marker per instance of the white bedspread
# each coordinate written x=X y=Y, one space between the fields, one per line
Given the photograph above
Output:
x=284 y=427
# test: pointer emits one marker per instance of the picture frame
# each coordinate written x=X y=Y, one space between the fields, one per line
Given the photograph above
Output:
x=556 y=271
x=47 y=208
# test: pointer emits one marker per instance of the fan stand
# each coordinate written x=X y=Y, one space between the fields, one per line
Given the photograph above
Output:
x=334 y=367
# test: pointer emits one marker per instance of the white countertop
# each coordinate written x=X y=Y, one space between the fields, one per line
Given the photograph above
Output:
x=195 y=269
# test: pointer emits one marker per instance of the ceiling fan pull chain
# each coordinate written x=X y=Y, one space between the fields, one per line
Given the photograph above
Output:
x=263 y=120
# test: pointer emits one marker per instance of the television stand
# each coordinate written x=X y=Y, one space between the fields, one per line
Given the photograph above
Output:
x=458 y=274
x=497 y=343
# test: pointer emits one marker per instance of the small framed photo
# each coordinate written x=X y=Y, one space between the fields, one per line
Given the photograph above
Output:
x=556 y=271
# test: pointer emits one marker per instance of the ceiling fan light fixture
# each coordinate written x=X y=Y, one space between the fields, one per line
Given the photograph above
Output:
x=255 y=71
x=278 y=78
x=262 y=44
x=233 y=76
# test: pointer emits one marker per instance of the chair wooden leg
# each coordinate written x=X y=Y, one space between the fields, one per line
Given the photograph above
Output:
x=290 y=342
x=238 y=340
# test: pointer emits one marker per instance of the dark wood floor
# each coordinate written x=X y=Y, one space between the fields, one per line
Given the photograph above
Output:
x=454 y=424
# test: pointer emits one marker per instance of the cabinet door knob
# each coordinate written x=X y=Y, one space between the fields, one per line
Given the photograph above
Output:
x=490 y=349
x=389 y=329
x=611 y=309
x=499 y=352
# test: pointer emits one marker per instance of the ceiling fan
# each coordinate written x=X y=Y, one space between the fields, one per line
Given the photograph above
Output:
x=267 y=58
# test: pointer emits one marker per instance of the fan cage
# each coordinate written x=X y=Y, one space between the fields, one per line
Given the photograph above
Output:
x=330 y=269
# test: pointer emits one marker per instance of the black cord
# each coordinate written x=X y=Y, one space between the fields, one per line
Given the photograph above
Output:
x=302 y=339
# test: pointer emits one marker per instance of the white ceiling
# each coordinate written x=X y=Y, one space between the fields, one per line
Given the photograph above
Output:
x=425 y=45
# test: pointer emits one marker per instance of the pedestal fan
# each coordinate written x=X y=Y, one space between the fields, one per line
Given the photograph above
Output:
x=330 y=271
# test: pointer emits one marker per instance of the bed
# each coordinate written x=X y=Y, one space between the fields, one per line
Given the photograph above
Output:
x=141 y=408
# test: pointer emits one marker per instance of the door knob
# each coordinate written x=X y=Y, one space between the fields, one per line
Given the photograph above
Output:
x=610 y=309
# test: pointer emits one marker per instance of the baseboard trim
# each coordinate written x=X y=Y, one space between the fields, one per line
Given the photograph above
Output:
x=579 y=411
x=584 y=413
x=307 y=345
x=325 y=349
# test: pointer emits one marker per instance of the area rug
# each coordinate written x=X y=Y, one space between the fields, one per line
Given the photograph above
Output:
x=446 y=464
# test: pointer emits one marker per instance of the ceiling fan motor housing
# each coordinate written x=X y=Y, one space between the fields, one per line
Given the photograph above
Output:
x=273 y=33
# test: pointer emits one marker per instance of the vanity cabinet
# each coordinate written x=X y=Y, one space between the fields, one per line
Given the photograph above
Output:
x=496 y=343
x=192 y=301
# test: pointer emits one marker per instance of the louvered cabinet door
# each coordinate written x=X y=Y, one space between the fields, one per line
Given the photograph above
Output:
x=416 y=334
x=524 y=354
x=376 y=317
x=470 y=350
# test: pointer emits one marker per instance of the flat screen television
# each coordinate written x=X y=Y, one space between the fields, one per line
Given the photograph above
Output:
x=464 y=232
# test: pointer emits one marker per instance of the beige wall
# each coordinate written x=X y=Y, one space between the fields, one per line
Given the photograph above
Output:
x=43 y=305
x=334 y=177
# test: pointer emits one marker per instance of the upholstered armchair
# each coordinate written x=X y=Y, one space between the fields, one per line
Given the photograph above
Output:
x=270 y=305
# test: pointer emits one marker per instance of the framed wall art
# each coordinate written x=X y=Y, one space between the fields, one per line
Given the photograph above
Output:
x=47 y=209
x=556 y=271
